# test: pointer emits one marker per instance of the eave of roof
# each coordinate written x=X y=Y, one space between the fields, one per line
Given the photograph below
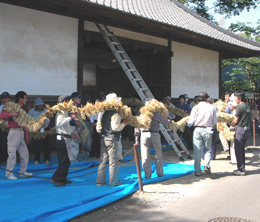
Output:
x=162 y=18
x=173 y=14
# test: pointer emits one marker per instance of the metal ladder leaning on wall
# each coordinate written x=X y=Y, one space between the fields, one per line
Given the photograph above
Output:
x=138 y=83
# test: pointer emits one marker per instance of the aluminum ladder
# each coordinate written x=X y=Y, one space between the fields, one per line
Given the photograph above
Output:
x=138 y=83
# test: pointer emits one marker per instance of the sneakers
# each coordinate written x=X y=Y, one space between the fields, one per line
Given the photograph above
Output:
x=239 y=173
x=36 y=162
x=47 y=162
x=11 y=177
x=207 y=170
x=25 y=175
x=197 y=174
x=58 y=183
x=67 y=181
x=161 y=175
x=101 y=184
x=116 y=184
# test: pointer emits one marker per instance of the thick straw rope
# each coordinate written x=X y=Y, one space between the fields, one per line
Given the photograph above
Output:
x=143 y=121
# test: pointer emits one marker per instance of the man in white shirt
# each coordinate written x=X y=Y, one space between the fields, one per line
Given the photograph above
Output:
x=63 y=145
x=203 y=117
x=109 y=125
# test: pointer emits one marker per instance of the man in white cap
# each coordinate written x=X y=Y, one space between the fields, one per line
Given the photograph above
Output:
x=167 y=101
x=35 y=112
x=109 y=125
x=63 y=145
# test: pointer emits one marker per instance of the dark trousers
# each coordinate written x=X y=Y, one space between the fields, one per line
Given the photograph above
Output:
x=213 y=144
x=241 y=136
x=3 y=146
x=95 y=147
x=187 y=135
x=46 y=147
x=64 y=163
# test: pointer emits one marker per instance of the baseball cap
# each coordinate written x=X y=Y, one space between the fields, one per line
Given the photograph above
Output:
x=167 y=98
x=5 y=95
x=75 y=95
x=62 y=98
x=203 y=94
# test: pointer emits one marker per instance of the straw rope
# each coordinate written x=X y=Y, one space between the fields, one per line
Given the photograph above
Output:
x=143 y=121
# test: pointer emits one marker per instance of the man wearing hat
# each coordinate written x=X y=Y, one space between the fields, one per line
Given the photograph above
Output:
x=167 y=101
x=63 y=145
x=203 y=117
x=17 y=139
x=5 y=98
x=109 y=125
x=76 y=98
x=35 y=112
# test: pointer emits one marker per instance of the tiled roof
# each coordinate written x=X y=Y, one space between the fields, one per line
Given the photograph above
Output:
x=173 y=13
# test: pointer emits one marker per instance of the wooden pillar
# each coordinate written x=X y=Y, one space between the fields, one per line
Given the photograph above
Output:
x=80 y=56
x=220 y=77
x=169 y=73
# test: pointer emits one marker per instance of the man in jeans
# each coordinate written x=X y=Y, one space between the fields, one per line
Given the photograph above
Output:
x=109 y=125
x=16 y=141
x=203 y=117
x=242 y=122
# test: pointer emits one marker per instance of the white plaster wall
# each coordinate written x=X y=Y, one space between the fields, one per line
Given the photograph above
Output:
x=194 y=70
x=38 y=51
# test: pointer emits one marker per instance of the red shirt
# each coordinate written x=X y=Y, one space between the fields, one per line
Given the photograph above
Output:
x=11 y=123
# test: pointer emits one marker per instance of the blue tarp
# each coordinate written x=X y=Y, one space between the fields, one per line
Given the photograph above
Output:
x=35 y=199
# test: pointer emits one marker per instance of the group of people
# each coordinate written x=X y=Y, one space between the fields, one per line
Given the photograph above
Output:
x=107 y=133
x=203 y=119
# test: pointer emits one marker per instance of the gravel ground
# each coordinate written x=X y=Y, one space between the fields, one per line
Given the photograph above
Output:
x=159 y=197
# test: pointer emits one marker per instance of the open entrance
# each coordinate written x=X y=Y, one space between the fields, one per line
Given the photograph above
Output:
x=103 y=74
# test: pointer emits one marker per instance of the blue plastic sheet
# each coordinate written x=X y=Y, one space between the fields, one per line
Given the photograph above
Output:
x=36 y=199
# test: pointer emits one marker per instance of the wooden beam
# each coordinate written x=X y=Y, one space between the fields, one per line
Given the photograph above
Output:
x=80 y=55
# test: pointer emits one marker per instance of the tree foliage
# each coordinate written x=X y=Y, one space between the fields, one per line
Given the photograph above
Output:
x=250 y=66
x=223 y=7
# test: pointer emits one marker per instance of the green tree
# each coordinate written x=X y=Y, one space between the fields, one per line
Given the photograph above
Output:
x=223 y=7
x=250 y=66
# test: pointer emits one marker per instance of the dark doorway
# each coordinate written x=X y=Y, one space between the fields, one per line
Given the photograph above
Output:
x=152 y=61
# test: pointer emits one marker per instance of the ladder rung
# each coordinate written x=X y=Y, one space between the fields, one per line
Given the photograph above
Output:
x=142 y=89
